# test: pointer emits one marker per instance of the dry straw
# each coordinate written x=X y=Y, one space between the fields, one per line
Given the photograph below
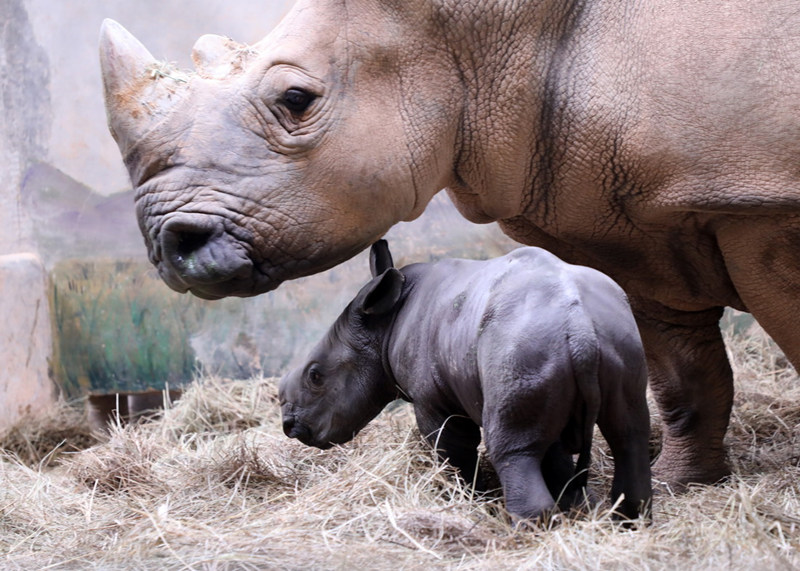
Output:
x=214 y=484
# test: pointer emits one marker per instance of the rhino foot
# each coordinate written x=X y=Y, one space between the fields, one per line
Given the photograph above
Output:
x=675 y=470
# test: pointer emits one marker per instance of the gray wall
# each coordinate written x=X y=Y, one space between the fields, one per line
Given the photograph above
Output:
x=25 y=119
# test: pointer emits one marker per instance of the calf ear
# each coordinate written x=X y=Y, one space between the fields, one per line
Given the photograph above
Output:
x=380 y=258
x=381 y=294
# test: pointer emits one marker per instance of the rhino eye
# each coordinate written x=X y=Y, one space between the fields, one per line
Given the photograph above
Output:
x=297 y=100
x=315 y=376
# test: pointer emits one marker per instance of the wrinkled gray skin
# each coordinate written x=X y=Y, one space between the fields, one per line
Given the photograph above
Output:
x=530 y=348
x=655 y=141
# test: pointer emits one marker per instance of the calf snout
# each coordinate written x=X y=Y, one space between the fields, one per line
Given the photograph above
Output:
x=289 y=424
x=287 y=413
x=292 y=428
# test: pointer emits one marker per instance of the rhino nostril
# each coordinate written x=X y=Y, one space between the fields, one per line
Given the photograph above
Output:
x=189 y=242
x=288 y=425
x=181 y=237
x=197 y=251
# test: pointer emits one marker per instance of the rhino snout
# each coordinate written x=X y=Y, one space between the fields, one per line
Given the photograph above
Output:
x=289 y=426
x=198 y=255
x=294 y=429
x=301 y=432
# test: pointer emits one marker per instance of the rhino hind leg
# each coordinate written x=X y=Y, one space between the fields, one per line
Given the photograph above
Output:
x=763 y=260
x=692 y=382
x=526 y=493
x=624 y=421
x=558 y=470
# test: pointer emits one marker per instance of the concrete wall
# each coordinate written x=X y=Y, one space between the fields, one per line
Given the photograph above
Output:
x=25 y=338
x=25 y=334
x=25 y=118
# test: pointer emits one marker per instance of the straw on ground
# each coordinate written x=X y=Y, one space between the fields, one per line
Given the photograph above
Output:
x=214 y=484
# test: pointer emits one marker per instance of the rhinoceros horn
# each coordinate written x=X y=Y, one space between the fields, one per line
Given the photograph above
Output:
x=217 y=57
x=139 y=91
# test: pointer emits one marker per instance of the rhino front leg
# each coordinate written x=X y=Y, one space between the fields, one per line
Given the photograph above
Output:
x=692 y=382
x=456 y=439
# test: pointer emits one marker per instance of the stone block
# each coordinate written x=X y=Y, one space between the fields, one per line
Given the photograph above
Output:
x=26 y=344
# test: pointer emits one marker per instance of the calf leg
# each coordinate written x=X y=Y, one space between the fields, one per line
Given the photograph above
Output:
x=558 y=470
x=522 y=430
x=624 y=421
x=524 y=488
x=518 y=457
x=456 y=439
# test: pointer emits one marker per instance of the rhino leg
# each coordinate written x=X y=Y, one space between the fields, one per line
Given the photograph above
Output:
x=624 y=421
x=692 y=382
x=763 y=260
x=558 y=470
x=524 y=488
x=456 y=440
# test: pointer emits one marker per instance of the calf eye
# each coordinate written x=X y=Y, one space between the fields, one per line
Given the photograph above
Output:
x=297 y=100
x=315 y=376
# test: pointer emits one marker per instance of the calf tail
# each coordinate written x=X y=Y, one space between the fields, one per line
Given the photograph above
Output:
x=585 y=354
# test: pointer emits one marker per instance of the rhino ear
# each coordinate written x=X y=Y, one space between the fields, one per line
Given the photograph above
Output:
x=380 y=258
x=139 y=91
x=381 y=294
x=216 y=56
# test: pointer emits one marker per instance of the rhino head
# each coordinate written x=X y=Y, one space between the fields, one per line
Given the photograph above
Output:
x=344 y=383
x=281 y=159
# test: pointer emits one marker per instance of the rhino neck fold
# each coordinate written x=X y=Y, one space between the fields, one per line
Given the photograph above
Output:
x=399 y=392
x=514 y=84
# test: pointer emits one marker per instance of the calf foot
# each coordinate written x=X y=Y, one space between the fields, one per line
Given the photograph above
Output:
x=526 y=495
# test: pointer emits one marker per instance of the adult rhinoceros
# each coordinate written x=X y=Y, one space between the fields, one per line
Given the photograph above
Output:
x=656 y=141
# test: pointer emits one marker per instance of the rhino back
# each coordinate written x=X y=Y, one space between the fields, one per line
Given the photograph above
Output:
x=465 y=322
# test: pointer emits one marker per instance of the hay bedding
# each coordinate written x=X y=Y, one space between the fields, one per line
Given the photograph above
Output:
x=214 y=484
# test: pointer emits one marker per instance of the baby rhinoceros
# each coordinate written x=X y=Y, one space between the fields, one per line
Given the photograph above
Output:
x=534 y=350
